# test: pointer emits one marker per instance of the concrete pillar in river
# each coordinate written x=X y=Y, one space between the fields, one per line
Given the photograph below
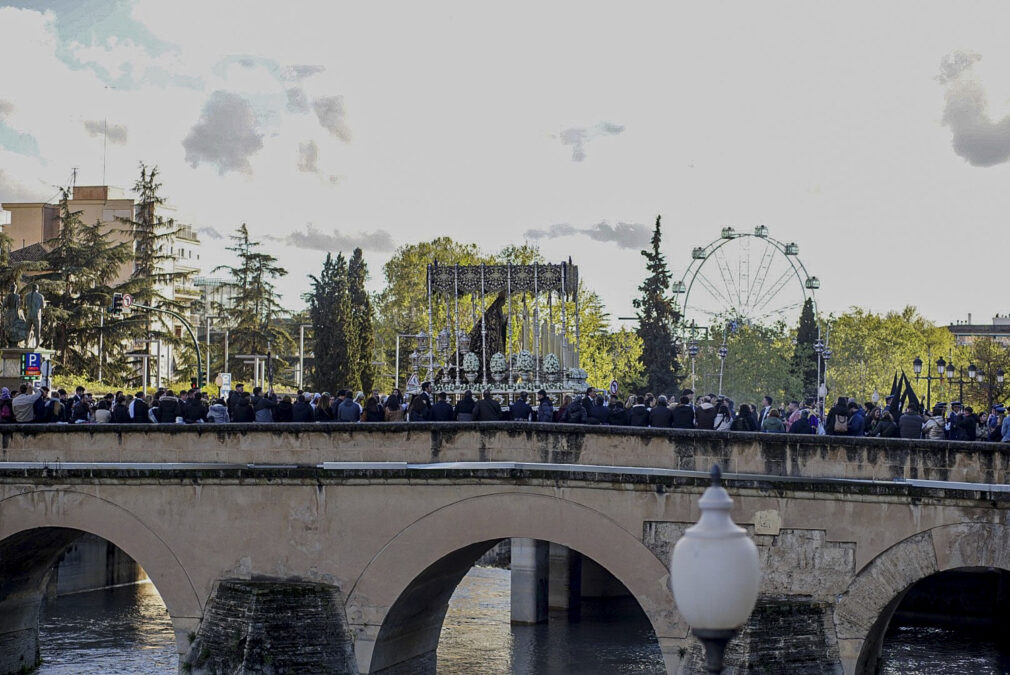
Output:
x=530 y=575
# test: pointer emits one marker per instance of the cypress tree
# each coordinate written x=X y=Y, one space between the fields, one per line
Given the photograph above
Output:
x=804 y=362
x=345 y=355
x=322 y=303
x=657 y=321
x=361 y=320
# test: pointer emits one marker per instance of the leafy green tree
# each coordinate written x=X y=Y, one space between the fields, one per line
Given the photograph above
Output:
x=758 y=364
x=257 y=307
x=361 y=321
x=804 y=362
x=344 y=343
x=82 y=263
x=989 y=357
x=657 y=321
x=868 y=348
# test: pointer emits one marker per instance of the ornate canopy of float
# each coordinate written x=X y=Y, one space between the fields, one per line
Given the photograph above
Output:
x=507 y=328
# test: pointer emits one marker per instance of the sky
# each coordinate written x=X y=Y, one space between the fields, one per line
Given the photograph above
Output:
x=874 y=135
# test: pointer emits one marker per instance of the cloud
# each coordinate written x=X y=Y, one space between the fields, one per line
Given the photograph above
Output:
x=13 y=191
x=316 y=240
x=300 y=72
x=331 y=113
x=579 y=137
x=298 y=102
x=210 y=232
x=975 y=136
x=625 y=235
x=116 y=133
x=226 y=134
x=308 y=157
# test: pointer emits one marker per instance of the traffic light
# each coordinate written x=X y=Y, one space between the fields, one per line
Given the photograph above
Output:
x=193 y=383
x=117 y=303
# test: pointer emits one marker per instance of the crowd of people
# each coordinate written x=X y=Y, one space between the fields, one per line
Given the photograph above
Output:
x=719 y=413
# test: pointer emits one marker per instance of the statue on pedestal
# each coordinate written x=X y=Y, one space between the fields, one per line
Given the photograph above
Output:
x=35 y=302
x=14 y=324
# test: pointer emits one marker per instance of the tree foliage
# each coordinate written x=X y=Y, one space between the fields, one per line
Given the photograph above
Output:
x=657 y=321
x=758 y=363
x=255 y=327
x=82 y=264
x=362 y=335
x=804 y=362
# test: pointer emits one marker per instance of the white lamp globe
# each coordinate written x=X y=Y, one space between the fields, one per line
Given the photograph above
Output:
x=715 y=571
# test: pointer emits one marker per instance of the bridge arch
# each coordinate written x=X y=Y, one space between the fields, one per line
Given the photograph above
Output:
x=39 y=524
x=416 y=572
x=865 y=609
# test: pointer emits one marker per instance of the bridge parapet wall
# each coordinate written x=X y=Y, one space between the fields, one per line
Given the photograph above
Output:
x=427 y=443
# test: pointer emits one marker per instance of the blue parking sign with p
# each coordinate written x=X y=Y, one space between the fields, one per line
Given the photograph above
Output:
x=32 y=365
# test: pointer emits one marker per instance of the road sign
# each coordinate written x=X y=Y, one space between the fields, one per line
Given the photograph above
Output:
x=127 y=300
x=31 y=365
x=613 y=387
x=413 y=384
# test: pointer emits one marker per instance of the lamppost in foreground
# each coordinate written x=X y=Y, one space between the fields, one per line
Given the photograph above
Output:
x=715 y=574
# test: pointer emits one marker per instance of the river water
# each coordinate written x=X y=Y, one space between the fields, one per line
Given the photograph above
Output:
x=127 y=631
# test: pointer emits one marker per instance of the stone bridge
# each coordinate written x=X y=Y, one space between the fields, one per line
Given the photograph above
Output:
x=341 y=545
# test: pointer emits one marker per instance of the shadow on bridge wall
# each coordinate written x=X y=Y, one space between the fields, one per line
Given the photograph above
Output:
x=865 y=609
x=397 y=606
x=37 y=527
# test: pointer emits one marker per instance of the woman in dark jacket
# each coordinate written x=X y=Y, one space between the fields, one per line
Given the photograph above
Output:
x=373 y=411
x=802 y=424
x=464 y=409
x=744 y=420
x=323 y=411
x=885 y=428
x=284 y=410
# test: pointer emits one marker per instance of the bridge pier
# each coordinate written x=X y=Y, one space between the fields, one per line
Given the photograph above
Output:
x=565 y=585
x=530 y=580
x=19 y=632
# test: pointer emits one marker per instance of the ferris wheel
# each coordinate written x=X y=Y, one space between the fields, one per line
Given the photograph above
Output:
x=744 y=276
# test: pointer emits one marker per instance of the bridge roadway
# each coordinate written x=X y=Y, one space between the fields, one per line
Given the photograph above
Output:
x=341 y=545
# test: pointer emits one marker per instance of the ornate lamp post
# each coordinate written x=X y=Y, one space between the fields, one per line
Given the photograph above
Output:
x=819 y=350
x=941 y=369
x=723 y=353
x=692 y=350
x=715 y=574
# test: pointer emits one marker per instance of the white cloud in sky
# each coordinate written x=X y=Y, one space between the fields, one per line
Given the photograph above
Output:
x=978 y=138
x=226 y=135
x=115 y=133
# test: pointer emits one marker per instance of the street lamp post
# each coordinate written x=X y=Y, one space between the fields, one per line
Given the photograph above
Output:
x=819 y=350
x=941 y=369
x=692 y=350
x=723 y=353
x=715 y=574
x=301 y=353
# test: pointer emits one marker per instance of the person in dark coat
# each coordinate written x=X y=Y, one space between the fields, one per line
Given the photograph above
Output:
x=886 y=428
x=234 y=396
x=910 y=424
x=284 y=411
x=802 y=424
x=598 y=412
x=638 y=416
x=574 y=413
x=488 y=409
x=138 y=409
x=588 y=401
x=244 y=412
x=683 y=414
x=373 y=410
x=704 y=414
x=661 y=416
x=838 y=417
x=617 y=414
x=442 y=411
x=169 y=408
x=465 y=406
x=323 y=411
x=194 y=411
x=521 y=410
x=744 y=420
x=301 y=410
x=545 y=409
x=121 y=412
